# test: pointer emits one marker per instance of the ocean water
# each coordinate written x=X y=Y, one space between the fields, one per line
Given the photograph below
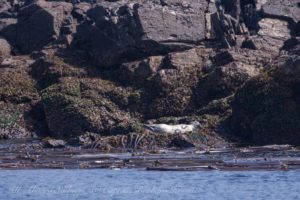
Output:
x=141 y=184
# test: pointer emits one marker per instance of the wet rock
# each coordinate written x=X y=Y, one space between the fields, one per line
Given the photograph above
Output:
x=74 y=106
x=52 y=143
x=266 y=109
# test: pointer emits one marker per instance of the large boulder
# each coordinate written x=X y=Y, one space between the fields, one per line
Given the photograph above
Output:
x=40 y=23
x=73 y=106
x=16 y=85
x=183 y=82
x=116 y=32
x=272 y=35
x=228 y=72
x=167 y=82
x=266 y=109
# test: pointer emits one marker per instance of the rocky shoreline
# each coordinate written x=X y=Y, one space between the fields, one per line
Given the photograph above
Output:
x=91 y=73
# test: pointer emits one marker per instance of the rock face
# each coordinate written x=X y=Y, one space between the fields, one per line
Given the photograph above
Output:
x=21 y=113
x=266 y=109
x=230 y=69
x=283 y=8
x=75 y=68
x=126 y=30
x=73 y=107
x=40 y=23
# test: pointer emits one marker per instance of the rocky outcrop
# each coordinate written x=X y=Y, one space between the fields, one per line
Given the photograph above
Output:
x=40 y=23
x=230 y=69
x=74 y=68
x=266 y=109
x=272 y=35
x=74 y=106
x=21 y=114
x=123 y=31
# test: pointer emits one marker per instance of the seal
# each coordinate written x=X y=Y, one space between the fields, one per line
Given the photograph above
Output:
x=172 y=129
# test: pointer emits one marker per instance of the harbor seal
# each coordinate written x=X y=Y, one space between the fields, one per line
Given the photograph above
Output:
x=172 y=129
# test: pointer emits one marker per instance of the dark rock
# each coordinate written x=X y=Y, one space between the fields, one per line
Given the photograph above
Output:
x=40 y=23
x=52 y=68
x=138 y=72
x=166 y=82
x=223 y=23
x=251 y=14
x=266 y=110
x=170 y=91
x=74 y=106
x=123 y=31
x=16 y=85
x=230 y=69
x=8 y=29
x=80 y=10
x=21 y=114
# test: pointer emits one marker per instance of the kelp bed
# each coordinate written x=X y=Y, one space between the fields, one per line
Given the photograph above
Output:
x=233 y=157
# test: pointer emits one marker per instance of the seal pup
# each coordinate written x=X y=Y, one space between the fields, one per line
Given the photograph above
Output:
x=172 y=129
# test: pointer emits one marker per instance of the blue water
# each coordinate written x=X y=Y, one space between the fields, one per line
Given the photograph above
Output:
x=138 y=185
